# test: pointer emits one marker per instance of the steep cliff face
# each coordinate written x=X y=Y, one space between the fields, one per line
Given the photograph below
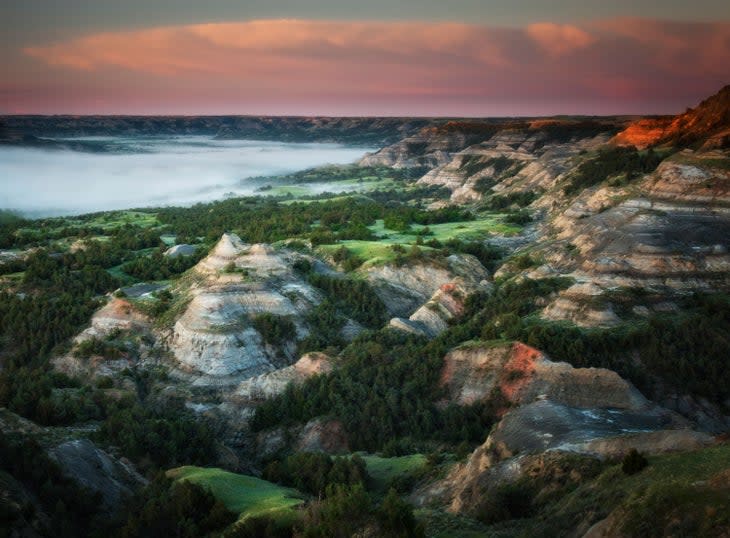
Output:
x=117 y=319
x=522 y=375
x=113 y=479
x=706 y=125
x=447 y=303
x=469 y=158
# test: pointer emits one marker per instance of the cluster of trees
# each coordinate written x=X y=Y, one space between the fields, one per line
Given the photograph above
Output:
x=10 y=223
x=322 y=221
x=690 y=351
x=325 y=325
x=328 y=174
x=354 y=297
x=97 y=346
x=71 y=510
x=315 y=472
x=349 y=508
x=275 y=330
x=628 y=162
x=343 y=512
x=348 y=260
x=157 y=266
x=500 y=202
x=490 y=256
x=181 y=509
x=158 y=439
x=385 y=389
x=519 y=218
x=387 y=384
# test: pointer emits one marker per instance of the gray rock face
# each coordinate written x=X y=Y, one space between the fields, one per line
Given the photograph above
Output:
x=433 y=318
x=256 y=389
x=405 y=289
x=431 y=146
x=96 y=470
x=317 y=435
x=545 y=425
x=668 y=233
x=535 y=162
x=215 y=337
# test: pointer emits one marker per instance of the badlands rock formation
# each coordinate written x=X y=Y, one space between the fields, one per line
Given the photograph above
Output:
x=264 y=386
x=667 y=234
x=433 y=317
x=116 y=316
x=551 y=407
x=433 y=145
x=180 y=250
x=524 y=375
x=528 y=158
x=708 y=123
x=405 y=289
x=215 y=337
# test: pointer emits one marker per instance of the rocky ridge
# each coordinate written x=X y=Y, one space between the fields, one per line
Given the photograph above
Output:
x=707 y=125
x=549 y=406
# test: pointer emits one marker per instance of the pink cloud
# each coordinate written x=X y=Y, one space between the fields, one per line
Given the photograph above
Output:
x=559 y=39
x=324 y=67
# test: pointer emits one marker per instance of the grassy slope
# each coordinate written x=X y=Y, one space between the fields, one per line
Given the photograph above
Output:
x=245 y=495
x=678 y=481
x=383 y=470
x=380 y=252
x=347 y=185
x=675 y=489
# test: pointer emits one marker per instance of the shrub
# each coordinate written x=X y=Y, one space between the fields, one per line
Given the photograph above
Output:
x=508 y=501
x=275 y=330
x=633 y=462
x=520 y=217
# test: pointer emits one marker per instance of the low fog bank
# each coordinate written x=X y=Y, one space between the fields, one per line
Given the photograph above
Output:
x=150 y=172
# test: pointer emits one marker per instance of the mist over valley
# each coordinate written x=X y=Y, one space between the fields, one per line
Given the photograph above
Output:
x=149 y=171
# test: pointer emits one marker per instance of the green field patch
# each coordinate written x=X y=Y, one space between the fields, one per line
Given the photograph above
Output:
x=328 y=199
x=373 y=252
x=464 y=230
x=293 y=191
x=245 y=495
x=305 y=190
x=383 y=470
x=168 y=239
x=380 y=251
x=474 y=229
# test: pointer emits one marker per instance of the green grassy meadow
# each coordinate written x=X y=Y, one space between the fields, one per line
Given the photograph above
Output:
x=245 y=495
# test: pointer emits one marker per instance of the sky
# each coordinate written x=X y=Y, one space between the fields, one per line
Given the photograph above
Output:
x=453 y=58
